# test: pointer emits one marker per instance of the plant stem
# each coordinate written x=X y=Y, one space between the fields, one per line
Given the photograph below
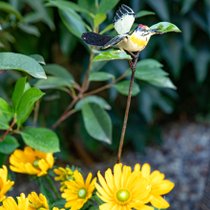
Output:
x=8 y=130
x=133 y=69
x=106 y=86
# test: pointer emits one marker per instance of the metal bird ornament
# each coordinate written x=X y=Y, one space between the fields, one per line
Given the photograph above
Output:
x=132 y=42
x=129 y=41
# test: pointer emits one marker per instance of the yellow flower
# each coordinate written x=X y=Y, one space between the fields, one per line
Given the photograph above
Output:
x=31 y=161
x=159 y=185
x=37 y=201
x=10 y=204
x=63 y=175
x=78 y=191
x=5 y=184
x=123 y=189
x=56 y=208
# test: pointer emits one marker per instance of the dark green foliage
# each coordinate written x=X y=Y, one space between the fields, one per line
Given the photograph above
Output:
x=53 y=29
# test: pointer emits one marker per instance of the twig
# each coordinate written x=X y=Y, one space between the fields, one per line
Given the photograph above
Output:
x=8 y=130
x=133 y=69
x=105 y=86
x=36 y=113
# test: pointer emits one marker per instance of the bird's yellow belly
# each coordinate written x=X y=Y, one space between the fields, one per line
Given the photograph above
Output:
x=133 y=44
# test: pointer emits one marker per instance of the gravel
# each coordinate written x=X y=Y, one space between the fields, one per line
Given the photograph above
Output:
x=184 y=158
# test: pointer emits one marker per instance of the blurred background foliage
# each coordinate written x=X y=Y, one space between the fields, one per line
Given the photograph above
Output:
x=31 y=27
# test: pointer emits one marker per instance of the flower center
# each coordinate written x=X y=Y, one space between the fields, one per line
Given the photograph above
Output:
x=36 y=163
x=82 y=193
x=123 y=195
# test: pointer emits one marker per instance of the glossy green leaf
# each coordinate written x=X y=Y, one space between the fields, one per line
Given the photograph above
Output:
x=143 y=13
x=165 y=27
x=97 y=122
x=73 y=22
x=8 y=145
x=26 y=104
x=107 y=5
x=58 y=71
x=100 y=76
x=41 y=12
x=201 y=65
x=38 y=58
x=20 y=62
x=53 y=83
x=112 y=55
x=6 y=114
x=149 y=70
x=98 y=19
x=9 y=9
x=41 y=139
x=64 y=5
x=29 y=29
x=123 y=88
x=107 y=28
x=92 y=99
x=160 y=8
x=18 y=91
x=149 y=63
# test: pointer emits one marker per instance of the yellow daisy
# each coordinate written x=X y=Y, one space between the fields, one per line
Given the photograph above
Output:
x=5 y=184
x=63 y=175
x=37 y=201
x=123 y=189
x=78 y=190
x=10 y=204
x=30 y=161
x=159 y=185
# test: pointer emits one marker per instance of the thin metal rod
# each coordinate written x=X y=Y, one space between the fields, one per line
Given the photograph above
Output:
x=125 y=121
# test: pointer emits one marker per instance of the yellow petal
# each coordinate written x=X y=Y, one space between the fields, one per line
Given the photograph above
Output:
x=159 y=202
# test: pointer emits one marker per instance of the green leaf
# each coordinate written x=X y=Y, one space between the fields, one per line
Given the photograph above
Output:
x=26 y=104
x=107 y=28
x=165 y=27
x=160 y=8
x=94 y=100
x=20 y=62
x=149 y=70
x=18 y=91
x=64 y=5
x=9 y=9
x=8 y=145
x=29 y=29
x=73 y=22
x=97 y=122
x=201 y=64
x=107 y=5
x=6 y=114
x=112 y=55
x=100 y=76
x=41 y=139
x=38 y=58
x=144 y=13
x=149 y=63
x=98 y=19
x=53 y=83
x=123 y=88
x=41 y=12
x=58 y=71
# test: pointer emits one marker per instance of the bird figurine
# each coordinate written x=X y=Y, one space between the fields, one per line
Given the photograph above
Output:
x=131 y=42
